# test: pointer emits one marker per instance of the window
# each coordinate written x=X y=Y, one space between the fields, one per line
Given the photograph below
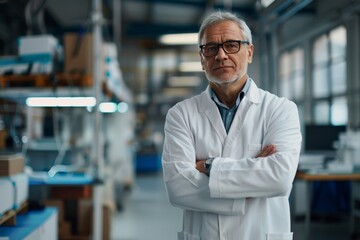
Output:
x=266 y=3
x=329 y=78
x=321 y=112
x=339 y=111
x=292 y=74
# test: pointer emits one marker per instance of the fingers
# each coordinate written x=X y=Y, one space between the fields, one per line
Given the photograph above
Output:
x=267 y=151
x=200 y=166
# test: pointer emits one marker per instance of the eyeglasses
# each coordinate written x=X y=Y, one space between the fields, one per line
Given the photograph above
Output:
x=229 y=47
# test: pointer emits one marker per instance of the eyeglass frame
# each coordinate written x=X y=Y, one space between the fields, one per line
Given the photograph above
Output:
x=218 y=45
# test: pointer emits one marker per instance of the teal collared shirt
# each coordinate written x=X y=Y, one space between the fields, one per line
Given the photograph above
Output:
x=228 y=114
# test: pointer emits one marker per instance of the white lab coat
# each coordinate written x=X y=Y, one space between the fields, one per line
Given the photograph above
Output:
x=245 y=198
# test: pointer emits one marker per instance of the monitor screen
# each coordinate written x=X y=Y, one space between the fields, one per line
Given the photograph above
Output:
x=322 y=137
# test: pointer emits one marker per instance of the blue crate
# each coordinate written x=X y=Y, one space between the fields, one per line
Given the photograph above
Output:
x=148 y=162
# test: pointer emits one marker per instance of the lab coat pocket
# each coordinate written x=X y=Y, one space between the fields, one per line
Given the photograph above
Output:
x=279 y=236
x=187 y=236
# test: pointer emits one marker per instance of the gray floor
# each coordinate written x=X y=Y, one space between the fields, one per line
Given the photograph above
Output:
x=147 y=215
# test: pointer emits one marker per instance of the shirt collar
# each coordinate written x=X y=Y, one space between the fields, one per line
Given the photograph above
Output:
x=238 y=99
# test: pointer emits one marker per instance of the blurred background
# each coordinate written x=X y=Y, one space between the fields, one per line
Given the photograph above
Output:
x=85 y=87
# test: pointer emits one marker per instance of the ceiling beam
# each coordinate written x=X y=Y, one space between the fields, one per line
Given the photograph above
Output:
x=153 y=31
x=177 y=2
x=205 y=4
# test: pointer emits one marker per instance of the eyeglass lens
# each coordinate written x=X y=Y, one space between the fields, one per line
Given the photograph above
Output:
x=228 y=47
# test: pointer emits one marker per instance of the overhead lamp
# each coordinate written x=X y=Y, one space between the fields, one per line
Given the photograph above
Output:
x=179 y=39
x=61 y=102
x=111 y=107
x=122 y=107
x=176 y=92
x=107 y=107
x=190 y=66
x=266 y=3
x=184 y=81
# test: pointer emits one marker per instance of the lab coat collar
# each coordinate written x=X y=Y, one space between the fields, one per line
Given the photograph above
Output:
x=252 y=95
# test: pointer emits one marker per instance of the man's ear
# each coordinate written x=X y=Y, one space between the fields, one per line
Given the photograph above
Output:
x=250 y=50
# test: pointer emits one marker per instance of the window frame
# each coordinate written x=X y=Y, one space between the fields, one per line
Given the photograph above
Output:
x=330 y=96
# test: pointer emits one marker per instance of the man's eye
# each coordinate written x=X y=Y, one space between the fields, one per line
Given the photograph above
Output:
x=231 y=45
x=211 y=48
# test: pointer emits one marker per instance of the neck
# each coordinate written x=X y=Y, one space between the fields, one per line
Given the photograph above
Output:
x=227 y=93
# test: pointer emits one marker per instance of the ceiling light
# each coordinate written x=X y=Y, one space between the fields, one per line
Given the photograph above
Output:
x=107 y=107
x=266 y=3
x=61 y=102
x=111 y=107
x=179 y=39
x=176 y=92
x=184 y=81
x=190 y=67
x=122 y=107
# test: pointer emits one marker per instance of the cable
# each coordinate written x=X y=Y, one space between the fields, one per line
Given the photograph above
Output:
x=61 y=154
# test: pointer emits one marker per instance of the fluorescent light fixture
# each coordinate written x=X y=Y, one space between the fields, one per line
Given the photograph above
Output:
x=179 y=39
x=122 y=107
x=190 y=66
x=266 y=3
x=142 y=98
x=176 y=92
x=184 y=81
x=61 y=102
x=107 y=107
x=110 y=107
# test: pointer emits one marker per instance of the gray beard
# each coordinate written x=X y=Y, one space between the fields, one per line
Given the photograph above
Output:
x=220 y=81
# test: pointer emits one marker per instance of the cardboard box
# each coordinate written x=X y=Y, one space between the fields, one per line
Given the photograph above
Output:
x=59 y=204
x=64 y=229
x=78 y=53
x=106 y=223
x=12 y=64
x=11 y=164
x=72 y=192
x=3 y=135
x=7 y=195
x=76 y=237
x=37 y=44
x=84 y=216
x=79 y=214
x=20 y=183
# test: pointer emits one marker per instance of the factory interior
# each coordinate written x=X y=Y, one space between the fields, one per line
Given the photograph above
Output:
x=86 y=85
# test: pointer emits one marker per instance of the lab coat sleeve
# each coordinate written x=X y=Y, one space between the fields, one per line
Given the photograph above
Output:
x=187 y=188
x=266 y=176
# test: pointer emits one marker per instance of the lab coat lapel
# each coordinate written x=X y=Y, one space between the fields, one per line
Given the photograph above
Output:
x=236 y=126
x=212 y=113
x=251 y=99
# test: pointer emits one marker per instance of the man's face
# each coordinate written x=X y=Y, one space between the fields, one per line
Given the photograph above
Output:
x=226 y=68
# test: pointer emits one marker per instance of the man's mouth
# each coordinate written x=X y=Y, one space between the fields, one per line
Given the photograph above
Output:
x=222 y=67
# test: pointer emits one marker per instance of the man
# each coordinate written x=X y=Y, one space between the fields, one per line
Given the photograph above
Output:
x=231 y=153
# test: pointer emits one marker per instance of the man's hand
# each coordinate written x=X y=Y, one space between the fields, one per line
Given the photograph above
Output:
x=267 y=151
x=200 y=165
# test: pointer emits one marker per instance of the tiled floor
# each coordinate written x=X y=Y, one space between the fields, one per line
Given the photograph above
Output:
x=147 y=215
x=323 y=230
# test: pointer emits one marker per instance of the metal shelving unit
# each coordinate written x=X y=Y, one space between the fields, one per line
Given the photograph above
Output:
x=40 y=89
x=97 y=21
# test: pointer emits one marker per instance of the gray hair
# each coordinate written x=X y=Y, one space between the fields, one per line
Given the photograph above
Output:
x=219 y=16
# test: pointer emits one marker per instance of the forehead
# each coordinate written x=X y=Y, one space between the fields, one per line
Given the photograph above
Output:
x=222 y=31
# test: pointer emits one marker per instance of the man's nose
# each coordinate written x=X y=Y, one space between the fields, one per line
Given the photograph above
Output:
x=221 y=54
